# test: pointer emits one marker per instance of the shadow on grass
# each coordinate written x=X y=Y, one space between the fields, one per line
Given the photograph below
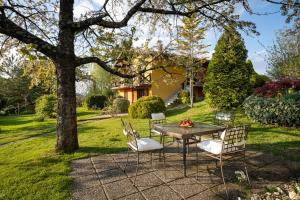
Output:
x=80 y=114
x=176 y=111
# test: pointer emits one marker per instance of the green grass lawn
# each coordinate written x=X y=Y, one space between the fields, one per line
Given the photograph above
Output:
x=30 y=169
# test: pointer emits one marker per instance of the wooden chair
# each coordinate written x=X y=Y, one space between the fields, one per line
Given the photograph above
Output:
x=231 y=144
x=140 y=145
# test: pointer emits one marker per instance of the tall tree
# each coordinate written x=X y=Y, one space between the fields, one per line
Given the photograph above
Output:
x=284 y=56
x=51 y=29
x=190 y=44
x=227 y=81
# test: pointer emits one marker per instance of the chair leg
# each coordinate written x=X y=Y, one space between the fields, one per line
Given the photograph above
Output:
x=222 y=173
x=246 y=171
x=197 y=163
x=151 y=160
x=137 y=167
x=164 y=163
x=126 y=159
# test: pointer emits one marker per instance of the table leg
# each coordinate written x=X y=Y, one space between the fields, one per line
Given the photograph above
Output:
x=184 y=156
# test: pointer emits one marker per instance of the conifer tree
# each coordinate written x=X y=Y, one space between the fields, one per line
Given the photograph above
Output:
x=227 y=81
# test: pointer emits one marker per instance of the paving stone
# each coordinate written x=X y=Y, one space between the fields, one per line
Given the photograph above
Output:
x=234 y=190
x=105 y=166
x=208 y=179
x=275 y=172
x=81 y=168
x=104 y=158
x=135 y=196
x=170 y=174
x=205 y=195
x=146 y=181
x=161 y=192
x=111 y=175
x=83 y=182
x=94 y=193
x=264 y=171
x=187 y=187
x=261 y=160
x=131 y=170
x=119 y=189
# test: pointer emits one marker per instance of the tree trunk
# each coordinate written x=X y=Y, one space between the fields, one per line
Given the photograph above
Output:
x=191 y=89
x=67 y=140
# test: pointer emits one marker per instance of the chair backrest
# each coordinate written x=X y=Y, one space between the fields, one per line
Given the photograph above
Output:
x=130 y=133
x=158 y=116
x=234 y=139
x=224 y=117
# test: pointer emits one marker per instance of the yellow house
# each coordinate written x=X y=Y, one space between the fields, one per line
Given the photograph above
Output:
x=164 y=82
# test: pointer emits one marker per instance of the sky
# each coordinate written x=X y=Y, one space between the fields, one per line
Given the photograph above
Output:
x=267 y=26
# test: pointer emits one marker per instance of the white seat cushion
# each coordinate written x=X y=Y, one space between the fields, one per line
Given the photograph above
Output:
x=212 y=146
x=158 y=116
x=223 y=116
x=156 y=132
x=145 y=144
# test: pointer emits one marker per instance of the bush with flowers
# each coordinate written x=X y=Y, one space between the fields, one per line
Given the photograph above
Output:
x=276 y=102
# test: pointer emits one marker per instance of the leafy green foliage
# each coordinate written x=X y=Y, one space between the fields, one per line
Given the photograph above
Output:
x=281 y=111
x=46 y=106
x=101 y=82
x=120 y=105
x=227 y=82
x=284 y=55
x=96 y=101
x=184 y=97
x=146 y=105
x=256 y=80
x=190 y=44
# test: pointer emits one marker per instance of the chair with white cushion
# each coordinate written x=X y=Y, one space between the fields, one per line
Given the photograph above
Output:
x=229 y=145
x=156 y=118
x=140 y=145
x=224 y=118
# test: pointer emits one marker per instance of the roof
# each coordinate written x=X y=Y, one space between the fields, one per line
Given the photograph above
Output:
x=140 y=86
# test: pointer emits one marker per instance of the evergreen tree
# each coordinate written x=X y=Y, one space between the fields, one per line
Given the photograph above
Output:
x=190 y=45
x=227 y=82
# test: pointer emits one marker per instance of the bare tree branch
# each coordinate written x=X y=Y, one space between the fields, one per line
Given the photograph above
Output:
x=11 y=29
x=82 y=25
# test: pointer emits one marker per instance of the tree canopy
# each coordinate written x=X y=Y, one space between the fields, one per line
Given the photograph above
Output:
x=227 y=81
x=284 y=56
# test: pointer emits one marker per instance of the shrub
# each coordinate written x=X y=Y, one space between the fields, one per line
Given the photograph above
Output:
x=260 y=80
x=227 y=82
x=46 y=106
x=279 y=87
x=120 y=105
x=79 y=100
x=283 y=111
x=96 y=101
x=184 y=97
x=146 y=105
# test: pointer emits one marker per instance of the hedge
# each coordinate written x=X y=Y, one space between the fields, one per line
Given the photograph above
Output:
x=283 y=111
x=96 y=101
x=146 y=105
x=46 y=106
x=120 y=105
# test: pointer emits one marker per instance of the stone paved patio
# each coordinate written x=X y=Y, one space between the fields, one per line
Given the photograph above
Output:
x=102 y=177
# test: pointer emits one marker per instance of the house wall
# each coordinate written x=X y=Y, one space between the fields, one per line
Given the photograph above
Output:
x=165 y=84
x=131 y=94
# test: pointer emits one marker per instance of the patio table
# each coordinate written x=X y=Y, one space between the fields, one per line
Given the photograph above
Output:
x=187 y=133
